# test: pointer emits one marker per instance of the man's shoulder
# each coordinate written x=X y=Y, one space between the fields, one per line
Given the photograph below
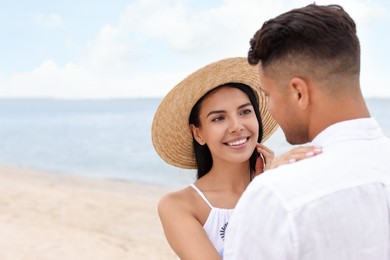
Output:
x=289 y=184
x=303 y=182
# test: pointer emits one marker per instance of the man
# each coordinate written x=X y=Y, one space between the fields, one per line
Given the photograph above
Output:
x=335 y=205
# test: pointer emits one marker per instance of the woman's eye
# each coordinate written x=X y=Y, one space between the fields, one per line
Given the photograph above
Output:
x=246 y=111
x=216 y=119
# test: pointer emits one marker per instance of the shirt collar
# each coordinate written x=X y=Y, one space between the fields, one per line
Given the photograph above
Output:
x=355 y=129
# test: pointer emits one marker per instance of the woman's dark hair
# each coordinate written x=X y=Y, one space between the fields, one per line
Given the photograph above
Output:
x=202 y=153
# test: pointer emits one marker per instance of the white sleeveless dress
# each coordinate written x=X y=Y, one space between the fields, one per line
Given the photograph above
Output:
x=216 y=223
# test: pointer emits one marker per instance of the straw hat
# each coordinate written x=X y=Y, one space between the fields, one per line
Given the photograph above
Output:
x=171 y=134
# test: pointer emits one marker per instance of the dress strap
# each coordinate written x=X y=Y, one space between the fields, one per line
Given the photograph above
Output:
x=201 y=194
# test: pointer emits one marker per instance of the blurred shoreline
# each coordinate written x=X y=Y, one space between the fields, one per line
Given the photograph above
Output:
x=107 y=139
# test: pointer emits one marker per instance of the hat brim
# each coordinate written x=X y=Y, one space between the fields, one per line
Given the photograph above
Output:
x=171 y=134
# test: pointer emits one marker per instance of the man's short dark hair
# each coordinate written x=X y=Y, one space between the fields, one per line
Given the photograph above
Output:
x=321 y=35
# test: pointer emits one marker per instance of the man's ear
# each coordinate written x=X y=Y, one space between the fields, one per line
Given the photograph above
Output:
x=196 y=134
x=301 y=91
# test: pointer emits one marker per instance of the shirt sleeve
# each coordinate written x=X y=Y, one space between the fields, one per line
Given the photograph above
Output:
x=260 y=227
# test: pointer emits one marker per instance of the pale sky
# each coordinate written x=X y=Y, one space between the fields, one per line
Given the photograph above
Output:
x=142 y=48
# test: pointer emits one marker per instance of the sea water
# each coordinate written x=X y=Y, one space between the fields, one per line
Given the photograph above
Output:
x=102 y=138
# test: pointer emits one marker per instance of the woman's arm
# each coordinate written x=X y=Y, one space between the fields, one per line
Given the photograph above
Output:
x=183 y=230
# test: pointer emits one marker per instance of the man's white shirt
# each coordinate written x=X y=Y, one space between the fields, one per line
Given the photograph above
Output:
x=333 y=206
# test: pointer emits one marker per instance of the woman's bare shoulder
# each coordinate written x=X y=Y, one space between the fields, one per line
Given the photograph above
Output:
x=178 y=201
x=181 y=214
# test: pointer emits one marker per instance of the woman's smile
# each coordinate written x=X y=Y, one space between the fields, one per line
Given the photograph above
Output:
x=237 y=142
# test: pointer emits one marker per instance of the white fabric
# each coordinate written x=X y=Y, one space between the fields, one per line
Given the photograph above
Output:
x=335 y=205
x=216 y=223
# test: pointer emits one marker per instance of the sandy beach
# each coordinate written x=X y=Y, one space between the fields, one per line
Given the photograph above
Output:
x=55 y=216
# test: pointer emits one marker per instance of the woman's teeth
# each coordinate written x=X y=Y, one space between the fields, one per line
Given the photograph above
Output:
x=237 y=142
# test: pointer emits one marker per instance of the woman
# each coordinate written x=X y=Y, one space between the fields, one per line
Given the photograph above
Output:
x=212 y=121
